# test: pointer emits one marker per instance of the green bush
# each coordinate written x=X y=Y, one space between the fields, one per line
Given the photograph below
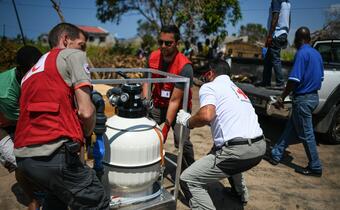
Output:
x=8 y=51
x=288 y=54
x=9 y=48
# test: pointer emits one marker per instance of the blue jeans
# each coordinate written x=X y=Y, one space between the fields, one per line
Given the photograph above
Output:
x=273 y=60
x=300 y=126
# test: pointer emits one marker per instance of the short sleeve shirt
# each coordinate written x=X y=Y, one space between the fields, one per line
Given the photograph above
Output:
x=73 y=66
x=283 y=23
x=307 y=70
x=9 y=94
x=235 y=116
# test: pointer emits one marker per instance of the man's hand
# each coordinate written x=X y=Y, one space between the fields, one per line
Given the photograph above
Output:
x=183 y=118
x=4 y=122
x=269 y=41
x=278 y=103
x=10 y=166
x=165 y=132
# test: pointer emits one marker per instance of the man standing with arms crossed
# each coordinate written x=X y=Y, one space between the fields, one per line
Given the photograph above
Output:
x=238 y=139
x=56 y=112
x=278 y=29
x=304 y=81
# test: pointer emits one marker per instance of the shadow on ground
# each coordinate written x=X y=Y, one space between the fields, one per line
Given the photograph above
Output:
x=273 y=133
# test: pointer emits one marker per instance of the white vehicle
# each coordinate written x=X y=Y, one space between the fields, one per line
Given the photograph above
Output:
x=326 y=117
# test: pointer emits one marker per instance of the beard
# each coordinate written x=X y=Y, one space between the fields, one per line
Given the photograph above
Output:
x=168 y=54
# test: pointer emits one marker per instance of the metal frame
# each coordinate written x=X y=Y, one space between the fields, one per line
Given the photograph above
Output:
x=169 y=78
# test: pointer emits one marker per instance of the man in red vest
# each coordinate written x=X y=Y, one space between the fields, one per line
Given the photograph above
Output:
x=167 y=97
x=56 y=112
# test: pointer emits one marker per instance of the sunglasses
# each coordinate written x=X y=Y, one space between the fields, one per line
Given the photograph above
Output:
x=167 y=43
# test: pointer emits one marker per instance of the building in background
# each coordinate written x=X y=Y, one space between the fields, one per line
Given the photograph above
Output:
x=98 y=36
x=244 y=49
x=240 y=47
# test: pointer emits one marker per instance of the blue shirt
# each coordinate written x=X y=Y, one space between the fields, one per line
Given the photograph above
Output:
x=307 y=70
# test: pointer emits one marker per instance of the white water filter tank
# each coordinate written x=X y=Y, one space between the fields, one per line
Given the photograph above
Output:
x=134 y=149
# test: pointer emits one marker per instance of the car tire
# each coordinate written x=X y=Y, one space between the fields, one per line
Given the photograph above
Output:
x=333 y=134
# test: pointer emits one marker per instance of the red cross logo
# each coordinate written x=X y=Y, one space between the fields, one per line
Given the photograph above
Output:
x=240 y=92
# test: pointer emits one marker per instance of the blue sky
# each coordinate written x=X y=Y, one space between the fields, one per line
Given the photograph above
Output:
x=38 y=16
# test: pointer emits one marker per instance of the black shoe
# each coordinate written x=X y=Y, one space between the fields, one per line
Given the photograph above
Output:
x=271 y=160
x=308 y=172
x=239 y=197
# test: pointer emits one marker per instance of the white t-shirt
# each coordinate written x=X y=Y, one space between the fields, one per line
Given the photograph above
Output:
x=283 y=23
x=235 y=116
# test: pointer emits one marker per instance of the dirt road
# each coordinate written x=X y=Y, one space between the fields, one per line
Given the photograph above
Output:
x=270 y=187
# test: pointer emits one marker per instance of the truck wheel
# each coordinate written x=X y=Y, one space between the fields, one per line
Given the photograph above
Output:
x=333 y=134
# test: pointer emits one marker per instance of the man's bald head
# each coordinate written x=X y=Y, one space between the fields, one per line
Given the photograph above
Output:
x=302 y=36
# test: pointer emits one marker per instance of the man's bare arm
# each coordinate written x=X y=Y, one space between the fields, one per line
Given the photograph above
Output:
x=174 y=103
x=203 y=117
x=275 y=18
x=86 y=109
x=145 y=90
x=290 y=86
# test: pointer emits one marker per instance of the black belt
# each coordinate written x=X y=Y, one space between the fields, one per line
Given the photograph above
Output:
x=302 y=94
x=242 y=141
x=70 y=146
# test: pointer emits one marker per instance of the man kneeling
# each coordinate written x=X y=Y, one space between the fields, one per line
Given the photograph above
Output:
x=237 y=135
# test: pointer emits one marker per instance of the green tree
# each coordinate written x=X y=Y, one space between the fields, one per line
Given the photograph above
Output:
x=204 y=16
x=254 y=31
x=148 y=32
x=333 y=14
x=331 y=29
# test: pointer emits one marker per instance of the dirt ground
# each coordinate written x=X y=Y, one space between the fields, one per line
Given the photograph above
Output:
x=270 y=187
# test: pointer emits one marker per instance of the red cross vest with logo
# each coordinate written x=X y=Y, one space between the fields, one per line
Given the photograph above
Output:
x=162 y=91
x=47 y=108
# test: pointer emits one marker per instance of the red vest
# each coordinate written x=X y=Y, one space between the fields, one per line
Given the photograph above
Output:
x=175 y=67
x=47 y=108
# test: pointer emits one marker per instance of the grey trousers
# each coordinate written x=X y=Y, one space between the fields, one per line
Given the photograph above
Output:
x=228 y=161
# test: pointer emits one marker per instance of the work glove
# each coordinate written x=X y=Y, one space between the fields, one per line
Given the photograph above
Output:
x=183 y=118
x=165 y=132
